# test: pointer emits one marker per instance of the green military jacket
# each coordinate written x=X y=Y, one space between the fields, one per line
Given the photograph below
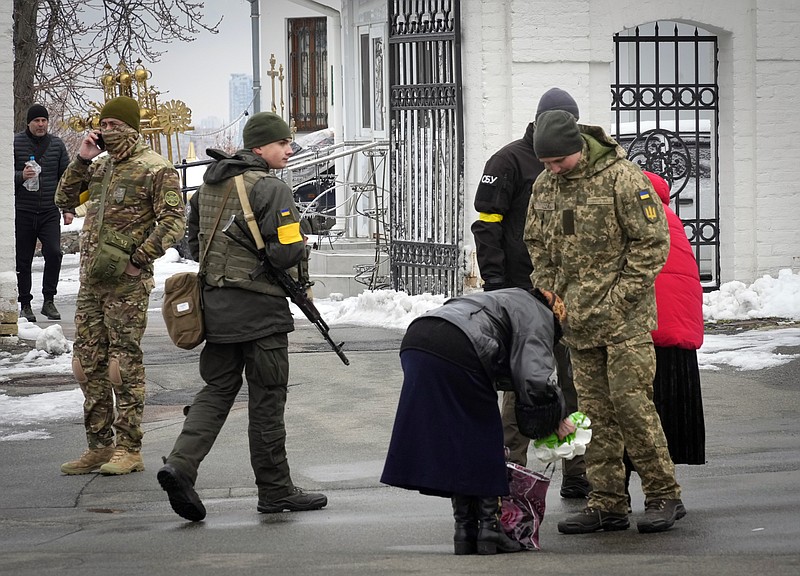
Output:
x=227 y=263
x=597 y=236
x=238 y=307
x=142 y=200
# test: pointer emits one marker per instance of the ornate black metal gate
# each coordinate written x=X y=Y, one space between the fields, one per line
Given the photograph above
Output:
x=426 y=148
x=665 y=101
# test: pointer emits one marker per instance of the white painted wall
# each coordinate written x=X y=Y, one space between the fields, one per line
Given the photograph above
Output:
x=514 y=50
x=8 y=275
x=569 y=44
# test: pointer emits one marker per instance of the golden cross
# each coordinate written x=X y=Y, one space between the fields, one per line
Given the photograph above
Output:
x=272 y=75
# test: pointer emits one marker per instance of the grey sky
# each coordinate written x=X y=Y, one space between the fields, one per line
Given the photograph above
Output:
x=198 y=72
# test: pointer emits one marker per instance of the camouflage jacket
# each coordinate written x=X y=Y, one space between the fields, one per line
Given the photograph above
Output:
x=598 y=237
x=143 y=201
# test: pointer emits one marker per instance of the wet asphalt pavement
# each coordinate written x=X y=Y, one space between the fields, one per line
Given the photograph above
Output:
x=743 y=506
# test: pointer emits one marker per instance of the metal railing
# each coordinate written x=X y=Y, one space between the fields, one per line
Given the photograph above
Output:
x=342 y=195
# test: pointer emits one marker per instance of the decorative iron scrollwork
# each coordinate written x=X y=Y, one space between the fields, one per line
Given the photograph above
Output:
x=664 y=153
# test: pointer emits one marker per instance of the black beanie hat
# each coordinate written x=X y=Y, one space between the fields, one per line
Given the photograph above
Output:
x=37 y=111
x=264 y=128
x=556 y=135
x=122 y=108
x=557 y=99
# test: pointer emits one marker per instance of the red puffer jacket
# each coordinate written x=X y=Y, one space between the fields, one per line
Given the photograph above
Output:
x=679 y=294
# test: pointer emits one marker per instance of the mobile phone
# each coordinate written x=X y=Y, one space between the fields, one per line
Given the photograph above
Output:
x=100 y=142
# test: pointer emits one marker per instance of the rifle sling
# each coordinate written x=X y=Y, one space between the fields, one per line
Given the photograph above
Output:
x=248 y=212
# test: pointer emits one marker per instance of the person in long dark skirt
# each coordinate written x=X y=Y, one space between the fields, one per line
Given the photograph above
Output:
x=447 y=438
x=679 y=301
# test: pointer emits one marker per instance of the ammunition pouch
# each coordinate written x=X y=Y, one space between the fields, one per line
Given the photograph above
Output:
x=113 y=254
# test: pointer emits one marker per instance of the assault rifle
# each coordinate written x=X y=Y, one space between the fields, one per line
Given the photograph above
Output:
x=294 y=290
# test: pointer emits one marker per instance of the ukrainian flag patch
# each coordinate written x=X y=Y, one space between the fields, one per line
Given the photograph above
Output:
x=288 y=227
x=648 y=206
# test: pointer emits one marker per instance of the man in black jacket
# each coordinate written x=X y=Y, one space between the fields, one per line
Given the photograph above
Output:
x=502 y=204
x=36 y=215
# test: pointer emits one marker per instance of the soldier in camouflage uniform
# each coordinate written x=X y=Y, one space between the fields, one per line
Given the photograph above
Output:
x=597 y=235
x=501 y=201
x=135 y=196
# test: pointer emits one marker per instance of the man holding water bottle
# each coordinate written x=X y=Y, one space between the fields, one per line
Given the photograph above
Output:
x=36 y=215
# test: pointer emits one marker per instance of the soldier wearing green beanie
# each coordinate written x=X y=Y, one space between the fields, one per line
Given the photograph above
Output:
x=247 y=320
x=136 y=212
x=122 y=108
x=598 y=238
x=265 y=128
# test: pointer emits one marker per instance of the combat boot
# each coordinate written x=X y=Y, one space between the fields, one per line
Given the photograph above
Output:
x=123 y=462
x=491 y=538
x=27 y=313
x=49 y=309
x=575 y=487
x=182 y=496
x=660 y=515
x=591 y=520
x=297 y=501
x=90 y=461
x=465 y=513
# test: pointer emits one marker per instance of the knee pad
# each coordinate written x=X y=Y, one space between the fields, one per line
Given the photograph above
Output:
x=114 y=373
x=78 y=371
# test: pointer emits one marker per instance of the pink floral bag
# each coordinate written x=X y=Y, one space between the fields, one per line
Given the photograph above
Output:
x=522 y=511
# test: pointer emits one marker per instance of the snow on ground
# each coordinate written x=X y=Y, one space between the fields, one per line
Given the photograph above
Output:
x=767 y=297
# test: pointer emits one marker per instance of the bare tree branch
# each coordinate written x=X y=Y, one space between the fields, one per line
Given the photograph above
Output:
x=60 y=46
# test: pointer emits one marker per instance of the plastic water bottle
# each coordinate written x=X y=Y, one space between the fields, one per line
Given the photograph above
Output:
x=32 y=184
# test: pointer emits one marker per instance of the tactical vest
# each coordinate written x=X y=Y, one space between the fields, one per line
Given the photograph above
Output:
x=228 y=265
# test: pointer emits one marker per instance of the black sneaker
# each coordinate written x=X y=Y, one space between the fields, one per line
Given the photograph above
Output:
x=297 y=501
x=577 y=487
x=49 y=309
x=660 y=515
x=591 y=520
x=182 y=497
x=27 y=313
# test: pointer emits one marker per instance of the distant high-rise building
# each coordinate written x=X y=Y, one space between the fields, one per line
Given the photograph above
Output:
x=240 y=97
x=210 y=123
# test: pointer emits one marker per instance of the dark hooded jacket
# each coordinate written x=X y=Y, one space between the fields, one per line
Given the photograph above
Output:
x=236 y=307
x=502 y=203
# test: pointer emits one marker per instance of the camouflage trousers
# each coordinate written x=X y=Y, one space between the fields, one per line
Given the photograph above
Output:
x=110 y=320
x=615 y=389
x=518 y=444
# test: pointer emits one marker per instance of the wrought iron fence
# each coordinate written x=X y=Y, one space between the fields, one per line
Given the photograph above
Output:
x=665 y=101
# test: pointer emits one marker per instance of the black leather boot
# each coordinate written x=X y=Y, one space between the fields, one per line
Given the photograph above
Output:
x=491 y=538
x=465 y=512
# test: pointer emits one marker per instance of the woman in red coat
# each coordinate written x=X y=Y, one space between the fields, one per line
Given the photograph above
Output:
x=679 y=300
x=676 y=386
